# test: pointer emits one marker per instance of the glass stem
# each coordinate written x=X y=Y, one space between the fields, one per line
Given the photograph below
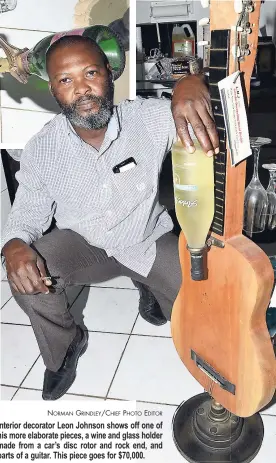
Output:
x=256 y=152
x=271 y=183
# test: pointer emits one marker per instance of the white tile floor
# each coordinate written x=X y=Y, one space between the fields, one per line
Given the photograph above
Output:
x=127 y=359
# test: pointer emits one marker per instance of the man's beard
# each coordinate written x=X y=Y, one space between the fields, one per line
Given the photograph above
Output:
x=93 y=120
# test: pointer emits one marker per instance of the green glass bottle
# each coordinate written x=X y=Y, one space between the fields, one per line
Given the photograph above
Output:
x=23 y=63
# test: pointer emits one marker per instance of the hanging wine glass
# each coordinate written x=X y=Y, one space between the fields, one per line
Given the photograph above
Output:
x=271 y=193
x=255 y=197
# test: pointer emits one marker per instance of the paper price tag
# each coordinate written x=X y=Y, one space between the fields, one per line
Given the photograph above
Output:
x=235 y=117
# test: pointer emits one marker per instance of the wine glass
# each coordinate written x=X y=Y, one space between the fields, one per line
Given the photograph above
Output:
x=271 y=193
x=255 y=197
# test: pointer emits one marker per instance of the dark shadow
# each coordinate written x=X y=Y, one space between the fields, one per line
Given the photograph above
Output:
x=36 y=90
x=10 y=167
x=98 y=12
x=166 y=196
x=79 y=305
x=274 y=28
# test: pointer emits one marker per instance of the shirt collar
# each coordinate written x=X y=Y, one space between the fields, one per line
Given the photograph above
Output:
x=112 y=133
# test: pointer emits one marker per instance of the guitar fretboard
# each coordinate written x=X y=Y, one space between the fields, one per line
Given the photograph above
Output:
x=218 y=70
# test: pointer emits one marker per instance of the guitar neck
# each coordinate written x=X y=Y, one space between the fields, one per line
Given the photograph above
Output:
x=229 y=181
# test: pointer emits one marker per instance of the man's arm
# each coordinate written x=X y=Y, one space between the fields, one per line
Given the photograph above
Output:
x=30 y=216
x=191 y=104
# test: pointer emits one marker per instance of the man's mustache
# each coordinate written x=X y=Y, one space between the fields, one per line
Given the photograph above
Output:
x=85 y=99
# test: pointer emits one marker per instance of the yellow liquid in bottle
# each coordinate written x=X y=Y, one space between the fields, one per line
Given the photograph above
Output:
x=193 y=177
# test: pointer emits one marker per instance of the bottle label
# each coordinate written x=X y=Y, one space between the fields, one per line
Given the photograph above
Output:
x=235 y=117
x=184 y=164
x=185 y=187
x=185 y=47
x=186 y=203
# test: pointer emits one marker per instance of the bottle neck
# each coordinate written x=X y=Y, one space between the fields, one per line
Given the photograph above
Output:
x=25 y=61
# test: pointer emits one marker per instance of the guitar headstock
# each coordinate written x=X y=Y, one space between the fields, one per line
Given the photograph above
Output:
x=234 y=27
x=242 y=18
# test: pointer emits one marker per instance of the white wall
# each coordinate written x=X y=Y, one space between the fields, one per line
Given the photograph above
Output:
x=143 y=11
x=25 y=108
x=267 y=16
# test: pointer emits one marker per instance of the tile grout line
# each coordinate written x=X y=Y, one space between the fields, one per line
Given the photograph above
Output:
x=101 y=332
x=15 y=324
x=6 y=302
x=90 y=396
x=95 y=397
x=25 y=377
x=25 y=30
x=121 y=357
x=108 y=398
x=144 y=402
x=29 y=110
x=40 y=390
x=131 y=334
x=110 y=287
x=79 y=293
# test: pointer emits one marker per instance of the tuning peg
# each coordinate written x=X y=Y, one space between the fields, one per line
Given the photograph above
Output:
x=205 y=3
x=203 y=43
x=248 y=29
x=250 y=7
x=237 y=28
x=236 y=53
x=246 y=50
x=238 y=6
x=204 y=21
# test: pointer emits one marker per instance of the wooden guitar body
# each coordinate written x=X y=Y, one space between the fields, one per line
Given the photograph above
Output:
x=222 y=319
x=219 y=324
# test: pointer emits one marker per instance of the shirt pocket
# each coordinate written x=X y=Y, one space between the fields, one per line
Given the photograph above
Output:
x=135 y=186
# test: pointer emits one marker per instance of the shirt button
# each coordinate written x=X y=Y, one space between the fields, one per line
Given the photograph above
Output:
x=141 y=186
x=104 y=185
x=109 y=213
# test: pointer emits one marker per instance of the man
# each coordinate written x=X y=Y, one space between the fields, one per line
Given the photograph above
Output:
x=109 y=220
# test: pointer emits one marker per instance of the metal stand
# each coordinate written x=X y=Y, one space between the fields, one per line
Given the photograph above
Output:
x=204 y=431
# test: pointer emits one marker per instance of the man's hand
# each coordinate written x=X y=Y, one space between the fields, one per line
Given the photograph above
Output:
x=191 y=104
x=25 y=268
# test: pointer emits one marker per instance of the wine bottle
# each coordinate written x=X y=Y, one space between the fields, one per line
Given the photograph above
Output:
x=193 y=178
x=25 y=62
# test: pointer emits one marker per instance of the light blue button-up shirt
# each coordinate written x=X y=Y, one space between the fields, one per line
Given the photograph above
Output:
x=62 y=176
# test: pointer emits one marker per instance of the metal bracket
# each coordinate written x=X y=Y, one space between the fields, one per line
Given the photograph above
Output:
x=245 y=27
x=212 y=373
x=212 y=241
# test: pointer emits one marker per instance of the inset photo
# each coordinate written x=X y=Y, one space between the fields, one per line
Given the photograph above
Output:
x=169 y=44
x=29 y=97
